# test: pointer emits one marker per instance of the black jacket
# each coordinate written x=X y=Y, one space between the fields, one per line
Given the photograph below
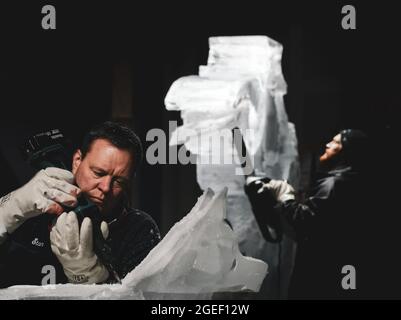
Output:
x=339 y=224
x=26 y=251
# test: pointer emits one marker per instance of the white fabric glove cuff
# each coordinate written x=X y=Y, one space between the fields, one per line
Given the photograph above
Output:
x=286 y=197
x=97 y=274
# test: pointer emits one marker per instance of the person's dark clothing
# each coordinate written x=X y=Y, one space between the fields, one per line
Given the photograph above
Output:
x=336 y=226
x=27 y=250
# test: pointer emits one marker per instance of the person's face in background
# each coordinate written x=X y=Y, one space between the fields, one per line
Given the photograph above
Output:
x=103 y=174
x=333 y=148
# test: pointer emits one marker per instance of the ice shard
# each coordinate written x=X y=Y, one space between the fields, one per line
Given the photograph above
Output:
x=241 y=86
x=198 y=257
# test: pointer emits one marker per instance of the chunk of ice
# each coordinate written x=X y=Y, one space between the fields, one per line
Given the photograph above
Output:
x=242 y=86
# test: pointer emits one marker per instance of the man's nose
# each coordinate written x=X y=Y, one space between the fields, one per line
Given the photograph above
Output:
x=105 y=184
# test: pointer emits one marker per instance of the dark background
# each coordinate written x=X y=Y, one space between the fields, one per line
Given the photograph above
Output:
x=106 y=56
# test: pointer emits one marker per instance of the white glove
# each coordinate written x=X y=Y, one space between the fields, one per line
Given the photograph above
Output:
x=280 y=189
x=43 y=193
x=74 y=249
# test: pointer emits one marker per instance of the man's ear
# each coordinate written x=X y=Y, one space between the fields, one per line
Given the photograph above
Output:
x=76 y=161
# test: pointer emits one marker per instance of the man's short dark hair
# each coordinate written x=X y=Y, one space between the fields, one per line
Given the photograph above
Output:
x=119 y=135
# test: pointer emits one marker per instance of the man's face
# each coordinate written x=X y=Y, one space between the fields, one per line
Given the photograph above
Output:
x=103 y=174
x=333 y=148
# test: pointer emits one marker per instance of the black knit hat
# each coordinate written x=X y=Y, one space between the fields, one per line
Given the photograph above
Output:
x=354 y=145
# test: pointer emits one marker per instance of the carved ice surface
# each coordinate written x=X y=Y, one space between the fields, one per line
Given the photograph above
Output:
x=242 y=86
x=199 y=256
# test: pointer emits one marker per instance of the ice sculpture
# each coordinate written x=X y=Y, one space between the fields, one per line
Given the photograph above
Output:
x=241 y=86
x=199 y=256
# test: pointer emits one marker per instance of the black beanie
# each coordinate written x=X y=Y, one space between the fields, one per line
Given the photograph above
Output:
x=354 y=145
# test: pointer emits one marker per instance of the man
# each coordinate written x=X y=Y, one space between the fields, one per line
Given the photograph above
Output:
x=38 y=225
x=334 y=227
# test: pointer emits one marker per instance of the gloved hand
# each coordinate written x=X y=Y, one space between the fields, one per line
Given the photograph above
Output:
x=74 y=249
x=263 y=202
x=44 y=193
x=280 y=189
